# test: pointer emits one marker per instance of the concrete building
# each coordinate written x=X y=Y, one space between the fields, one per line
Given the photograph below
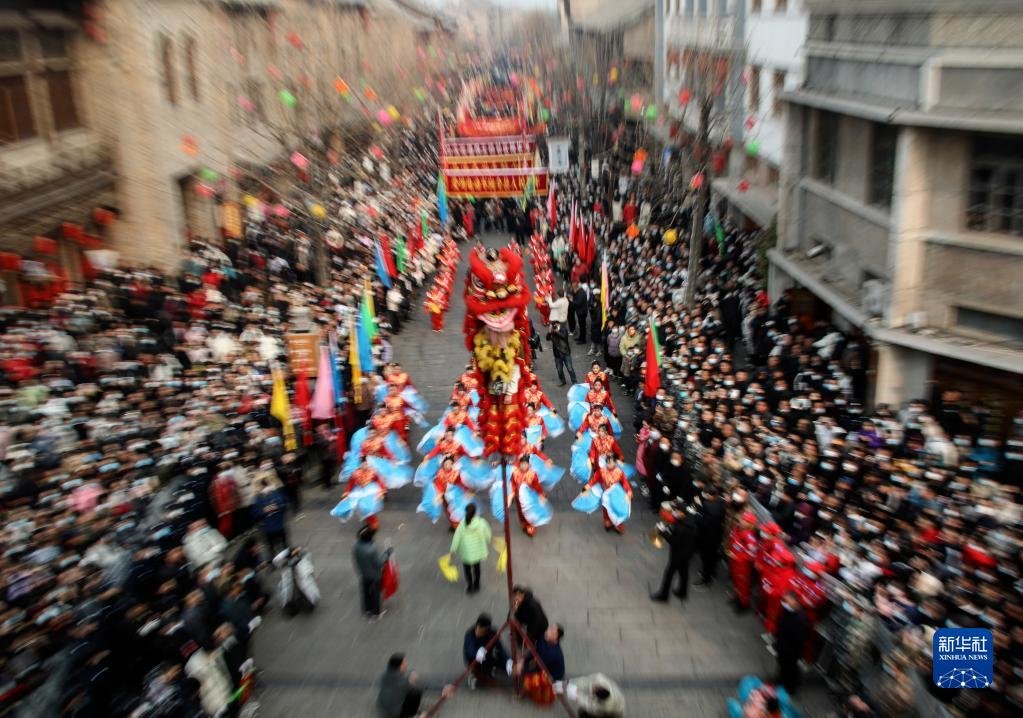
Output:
x=156 y=108
x=755 y=47
x=901 y=205
x=56 y=184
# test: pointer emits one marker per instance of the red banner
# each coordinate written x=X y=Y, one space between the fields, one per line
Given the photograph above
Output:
x=491 y=128
x=493 y=183
x=474 y=146
x=488 y=162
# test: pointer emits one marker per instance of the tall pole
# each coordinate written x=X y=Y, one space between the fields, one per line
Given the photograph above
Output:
x=507 y=538
x=702 y=199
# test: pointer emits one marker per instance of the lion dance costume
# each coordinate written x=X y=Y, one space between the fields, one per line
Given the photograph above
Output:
x=497 y=335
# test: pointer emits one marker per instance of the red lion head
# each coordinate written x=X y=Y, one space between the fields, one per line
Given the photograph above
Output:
x=496 y=295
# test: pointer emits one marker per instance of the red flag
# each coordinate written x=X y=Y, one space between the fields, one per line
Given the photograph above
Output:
x=413 y=239
x=591 y=247
x=302 y=403
x=571 y=228
x=652 y=380
x=552 y=206
x=385 y=245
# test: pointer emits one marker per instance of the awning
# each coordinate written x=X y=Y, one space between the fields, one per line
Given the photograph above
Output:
x=757 y=203
x=841 y=302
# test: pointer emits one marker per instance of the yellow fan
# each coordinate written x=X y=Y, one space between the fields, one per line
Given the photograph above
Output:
x=447 y=570
x=502 y=554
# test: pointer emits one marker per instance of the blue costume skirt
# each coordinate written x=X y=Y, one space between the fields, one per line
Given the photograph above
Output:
x=363 y=502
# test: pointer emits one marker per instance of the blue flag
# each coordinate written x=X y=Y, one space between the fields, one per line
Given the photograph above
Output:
x=385 y=276
x=365 y=348
x=339 y=392
x=442 y=200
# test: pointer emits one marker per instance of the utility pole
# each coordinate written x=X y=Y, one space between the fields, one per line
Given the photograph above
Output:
x=702 y=152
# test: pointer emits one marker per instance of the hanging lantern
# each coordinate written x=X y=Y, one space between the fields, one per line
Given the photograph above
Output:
x=613 y=75
x=393 y=112
x=294 y=40
x=383 y=118
x=245 y=104
x=637 y=167
x=670 y=237
x=287 y=99
x=342 y=87
x=280 y=211
x=190 y=145
x=44 y=245
x=370 y=94
x=697 y=181
x=651 y=112
x=299 y=160
x=743 y=186
x=318 y=211
x=204 y=190
x=753 y=147
x=376 y=152
x=718 y=162
x=750 y=123
x=636 y=103
x=632 y=232
x=420 y=94
x=250 y=201
x=727 y=145
x=685 y=95
x=274 y=71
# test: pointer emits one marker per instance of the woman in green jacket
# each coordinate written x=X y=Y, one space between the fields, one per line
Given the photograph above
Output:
x=470 y=544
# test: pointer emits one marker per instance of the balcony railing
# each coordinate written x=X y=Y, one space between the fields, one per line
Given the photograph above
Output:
x=713 y=32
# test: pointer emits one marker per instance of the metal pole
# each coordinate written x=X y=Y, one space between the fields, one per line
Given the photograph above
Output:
x=507 y=542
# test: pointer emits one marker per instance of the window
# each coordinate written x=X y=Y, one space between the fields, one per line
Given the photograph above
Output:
x=190 y=68
x=781 y=6
x=882 y=165
x=825 y=147
x=990 y=323
x=754 y=88
x=167 y=79
x=996 y=185
x=52 y=44
x=10 y=46
x=778 y=88
x=701 y=8
x=755 y=6
x=15 y=114
x=62 y=100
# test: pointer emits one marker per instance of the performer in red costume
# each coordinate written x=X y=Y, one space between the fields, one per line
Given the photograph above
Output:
x=599 y=396
x=374 y=445
x=364 y=476
x=448 y=475
x=604 y=443
x=447 y=446
x=775 y=583
x=458 y=416
x=593 y=421
x=534 y=395
x=609 y=475
x=596 y=374
x=808 y=583
x=524 y=475
x=742 y=547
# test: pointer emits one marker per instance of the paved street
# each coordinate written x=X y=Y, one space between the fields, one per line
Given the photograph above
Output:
x=669 y=660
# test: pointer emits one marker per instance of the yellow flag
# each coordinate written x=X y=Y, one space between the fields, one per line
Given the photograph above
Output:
x=449 y=572
x=280 y=409
x=353 y=360
x=502 y=554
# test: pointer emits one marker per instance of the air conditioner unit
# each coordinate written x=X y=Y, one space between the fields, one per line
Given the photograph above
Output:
x=874 y=293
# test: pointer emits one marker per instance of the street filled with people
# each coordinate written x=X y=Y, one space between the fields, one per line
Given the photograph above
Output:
x=157 y=435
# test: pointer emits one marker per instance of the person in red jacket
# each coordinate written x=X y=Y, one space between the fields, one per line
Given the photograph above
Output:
x=604 y=443
x=593 y=421
x=608 y=476
x=525 y=475
x=775 y=582
x=742 y=547
x=534 y=395
x=364 y=476
x=599 y=396
x=458 y=416
x=447 y=446
x=808 y=585
x=225 y=500
x=448 y=475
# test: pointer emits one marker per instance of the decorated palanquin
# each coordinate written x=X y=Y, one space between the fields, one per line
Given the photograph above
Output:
x=497 y=335
x=491 y=156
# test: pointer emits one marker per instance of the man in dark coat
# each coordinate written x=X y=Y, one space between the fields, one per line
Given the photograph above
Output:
x=529 y=613
x=789 y=641
x=474 y=649
x=581 y=305
x=558 y=337
x=369 y=562
x=399 y=697
x=681 y=538
x=711 y=532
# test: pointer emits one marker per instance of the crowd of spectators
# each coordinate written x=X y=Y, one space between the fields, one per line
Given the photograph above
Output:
x=911 y=508
x=145 y=488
